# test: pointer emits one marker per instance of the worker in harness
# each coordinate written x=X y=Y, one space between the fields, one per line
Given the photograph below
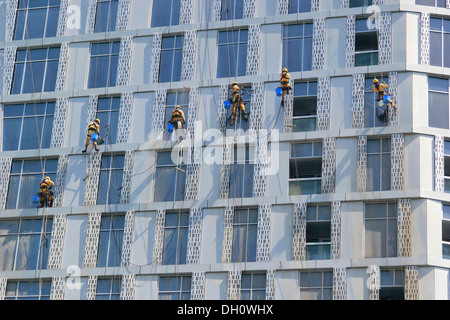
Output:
x=380 y=89
x=236 y=97
x=46 y=193
x=285 y=84
x=93 y=130
x=177 y=118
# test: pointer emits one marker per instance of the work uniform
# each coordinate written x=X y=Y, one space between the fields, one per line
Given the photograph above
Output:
x=236 y=98
x=93 y=127
x=285 y=85
x=380 y=89
x=177 y=115
x=45 y=192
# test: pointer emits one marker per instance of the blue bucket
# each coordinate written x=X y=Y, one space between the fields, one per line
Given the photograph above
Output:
x=94 y=137
x=227 y=104
x=279 y=92
x=386 y=98
x=170 y=127
x=36 y=198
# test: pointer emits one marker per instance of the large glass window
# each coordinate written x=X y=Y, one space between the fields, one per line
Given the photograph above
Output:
x=35 y=70
x=241 y=173
x=170 y=177
x=28 y=290
x=381 y=230
x=440 y=42
x=305 y=106
x=36 y=19
x=27 y=125
x=298 y=6
x=366 y=44
x=446 y=231
x=106 y=15
x=176 y=231
x=245 y=225
x=447 y=166
x=174 y=288
x=253 y=286
x=297 y=47
x=24 y=181
x=232 y=9
x=360 y=3
x=433 y=3
x=103 y=64
x=438 y=103
x=108 y=288
x=391 y=285
x=378 y=164
x=316 y=285
x=318 y=232
x=110 y=182
x=179 y=98
x=232 y=56
x=110 y=240
x=108 y=113
x=171 y=58
x=24 y=244
x=305 y=168
x=166 y=13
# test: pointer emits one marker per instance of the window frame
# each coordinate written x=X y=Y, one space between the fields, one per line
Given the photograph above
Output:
x=179 y=178
x=447 y=165
x=381 y=166
x=305 y=38
x=311 y=93
x=248 y=253
x=317 y=220
x=445 y=231
x=366 y=3
x=111 y=24
x=297 y=8
x=372 y=53
x=113 y=294
x=181 y=239
x=176 y=61
x=173 y=99
x=111 y=136
x=313 y=157
x=237 y=10
x=43 y=287
x=443 y=34
x=430 y=104
x=371 y=106
x=180 y=292
x=239 y=180
x=173 y=14
x=325 y=285
x=251 y=290
x=436 y=4
x=114 y=235
x=109 y=170
x=241 y=45
x=111 y=79
x=394 y=285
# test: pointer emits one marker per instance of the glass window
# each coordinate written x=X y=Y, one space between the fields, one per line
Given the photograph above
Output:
x=35 y=70
x=180 y=98
x=103 y=64
x=36 y=19
x=175 y=237
x=253 y=286
x=110 y=182
x=108 y=288
x=366 y=44
x=166 y=13
x=305 y=106
x=106 y=15
x=446 y=231
x=305 y=168
x=24 y=244
x=28 y=290
x=438 y=103
x=297 y=47
x=171 y=58
x=108 y=114
x=174 y=288
x=298 y=6
x=440 y=42
x=391 y=285
x=316 y=285
x=110 y=240
x=374 y=115
x=447 y=166
x=241 y=173
x=360 y=3
x=232 y=53
x=27 y=126
x=245 y=225
x=170 y=177
x=378 y=164
x=25 y=179
x=433 y=3
x=381 y=230
x=318 y=232
x=232 y=9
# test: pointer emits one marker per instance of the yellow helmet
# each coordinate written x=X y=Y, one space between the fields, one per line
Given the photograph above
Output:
x=47 y=178
x=97 y=120
x=285 y=70
x=234 y=83
x=177 y=107
x=375 y=80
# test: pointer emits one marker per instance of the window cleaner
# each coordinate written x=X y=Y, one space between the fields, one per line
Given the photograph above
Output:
x=46 y=193
x=236 y=97
x=285 y=84
x=177 y=120
x=93 y=135
x=383 y=97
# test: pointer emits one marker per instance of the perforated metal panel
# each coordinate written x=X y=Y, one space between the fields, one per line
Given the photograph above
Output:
x=128 y=288
x=57 y=241
x=323 y=103
x=127 y=176
x=397 y=161
x=335 y=249
x=3 y=283
x=222 y=112
x=186 y=12
x=234 y=285
x=155 y=58
x=9 y=57
x=193 y=110
x=339 y=284
x=270 y=284
x=128 y=235
x=194 y=236
x=124 y=64
x=315 y=5
x=59 y=122
x=439 y=164
x=393 y=91
x=328 y=165
x=91 y=287
x=362 y=163
x=94 y=160
x=5 y=170
x=374 y=282
x=189 y=49
x=92 y=110
x=385 y=38
x=289 y=108
x=159 y=237
x=62 y=67
x=345 y=3
x=198 y=280
x=253 y=49
x=2 y=63
x=299 y=232
x=257 y=111
x=319 y=43
x=350 y=42
x=282 y=7
x=216 y=9
x=358 y=100
x=90 y=19
x=192 y=179
x=447 y=4
x=249 y=9
x=227 y=244
x=424 y=38
x=411 y=283
x=62 y=20
x=58 y=288
x=125 y=115
x=11 y=6
x=263 y=232
x=260 y=168
x=404 y=230
x=158 y=115
x=123 y=13
x=91 y=240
